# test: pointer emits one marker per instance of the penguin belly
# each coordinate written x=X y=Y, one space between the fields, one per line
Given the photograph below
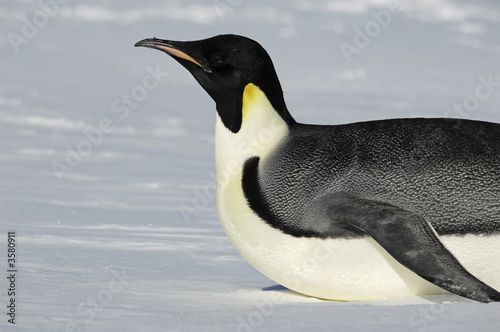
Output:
x=352 y=269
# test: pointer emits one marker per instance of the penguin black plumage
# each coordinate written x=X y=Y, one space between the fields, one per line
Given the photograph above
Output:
x=360 y=211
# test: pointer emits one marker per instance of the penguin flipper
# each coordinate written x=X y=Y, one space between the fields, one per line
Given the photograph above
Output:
x=410 y=239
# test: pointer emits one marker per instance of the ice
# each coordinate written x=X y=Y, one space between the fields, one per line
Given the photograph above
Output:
x=108 y=180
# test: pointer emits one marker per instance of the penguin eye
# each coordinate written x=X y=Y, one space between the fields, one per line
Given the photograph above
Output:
x=218 y=61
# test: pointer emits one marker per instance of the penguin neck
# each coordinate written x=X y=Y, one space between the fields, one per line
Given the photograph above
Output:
x=262 y=129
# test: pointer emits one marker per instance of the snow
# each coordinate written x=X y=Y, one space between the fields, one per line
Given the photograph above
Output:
x=124 y=236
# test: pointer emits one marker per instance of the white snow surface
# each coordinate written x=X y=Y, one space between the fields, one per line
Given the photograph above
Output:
x=107 y=156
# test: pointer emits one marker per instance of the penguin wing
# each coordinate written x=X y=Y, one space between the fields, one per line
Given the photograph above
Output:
x=409 y=238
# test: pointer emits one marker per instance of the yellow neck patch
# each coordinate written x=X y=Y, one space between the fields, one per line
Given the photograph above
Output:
x=250 y=96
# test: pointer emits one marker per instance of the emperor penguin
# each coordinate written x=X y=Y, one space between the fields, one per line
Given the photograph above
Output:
x=351 y=212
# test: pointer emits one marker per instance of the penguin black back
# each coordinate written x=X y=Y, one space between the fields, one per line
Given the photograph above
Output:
x=446 y=170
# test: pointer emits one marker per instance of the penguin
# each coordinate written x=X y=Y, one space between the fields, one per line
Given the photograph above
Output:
x=351 y=212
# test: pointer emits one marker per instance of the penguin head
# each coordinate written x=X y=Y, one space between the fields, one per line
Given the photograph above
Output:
x=224 y=66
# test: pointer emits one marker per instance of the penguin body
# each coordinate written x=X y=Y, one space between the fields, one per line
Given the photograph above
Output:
x=360 y=211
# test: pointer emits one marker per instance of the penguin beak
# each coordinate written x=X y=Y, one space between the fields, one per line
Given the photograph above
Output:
x=171 y=48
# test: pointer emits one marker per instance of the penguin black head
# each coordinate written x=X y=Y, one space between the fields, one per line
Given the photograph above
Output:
x=224 y=65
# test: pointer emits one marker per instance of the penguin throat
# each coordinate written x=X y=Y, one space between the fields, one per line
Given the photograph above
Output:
x=250 y=98
x=262 y=129
x=234 y=109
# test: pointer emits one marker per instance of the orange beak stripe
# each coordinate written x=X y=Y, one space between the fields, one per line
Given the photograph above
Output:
x=177 y=53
